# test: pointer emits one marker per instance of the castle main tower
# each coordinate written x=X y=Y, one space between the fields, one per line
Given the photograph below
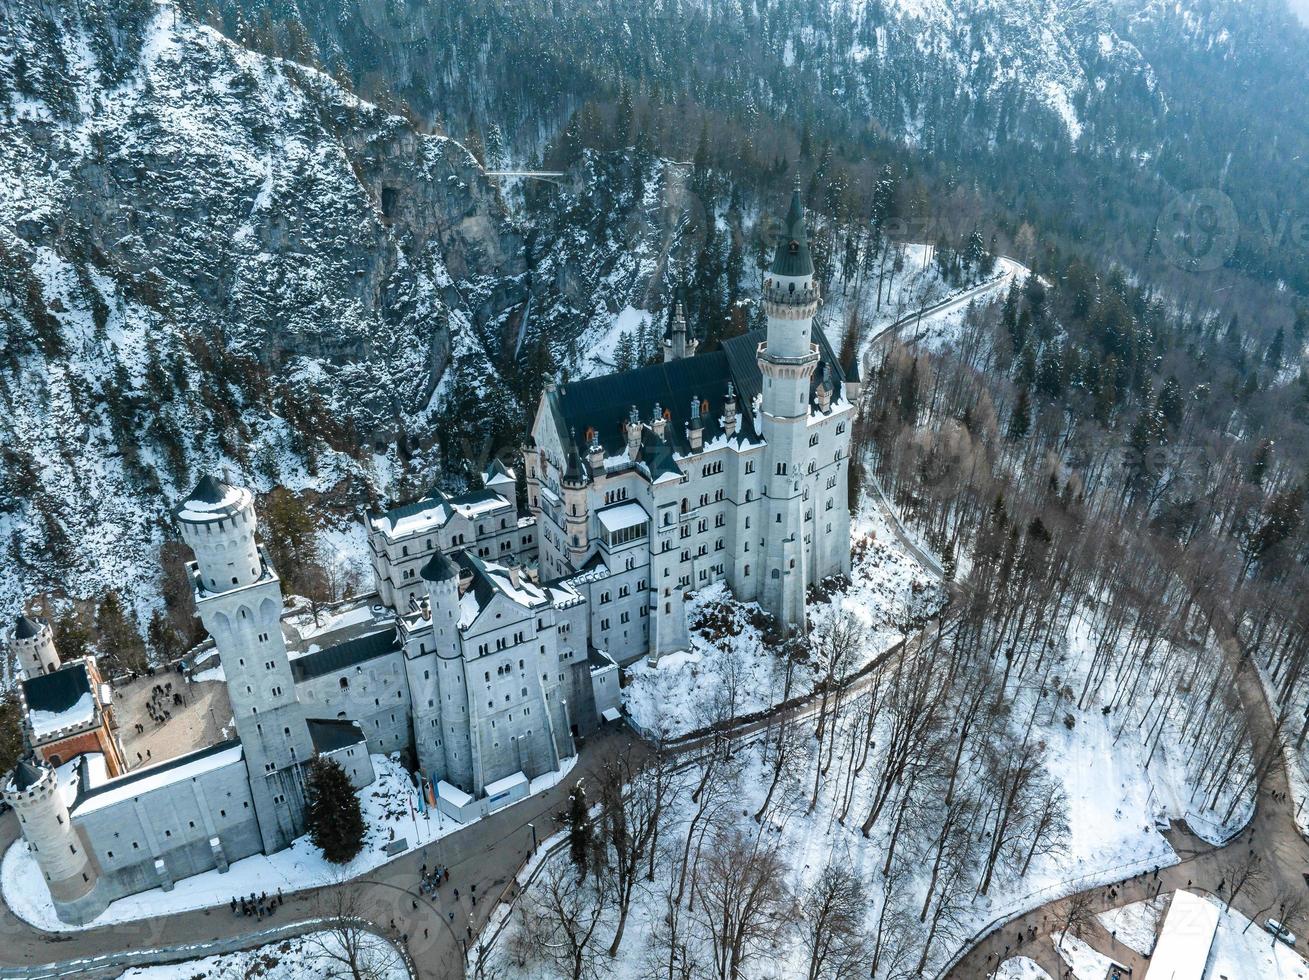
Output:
x=34 y=645
x=33 y=791
x=239 y=600
x=787 y=360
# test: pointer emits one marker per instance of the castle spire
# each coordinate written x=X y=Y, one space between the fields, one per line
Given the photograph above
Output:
x=792 y=258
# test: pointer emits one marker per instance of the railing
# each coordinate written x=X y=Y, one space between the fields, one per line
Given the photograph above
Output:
x=193 y=951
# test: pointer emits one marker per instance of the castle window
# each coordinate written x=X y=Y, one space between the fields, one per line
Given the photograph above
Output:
x=345 y=683
x=840 y=428
x=813 y=439
x=777 y=573
x=747 y=571
x=781 y=469
x=234 y=583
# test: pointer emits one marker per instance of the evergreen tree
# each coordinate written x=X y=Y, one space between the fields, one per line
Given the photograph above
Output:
x=1171 y=405
x=1020 y=422
x=333 y=816
x=11 y=729
x=117 y=636
x=579 y=829
x=164 y=639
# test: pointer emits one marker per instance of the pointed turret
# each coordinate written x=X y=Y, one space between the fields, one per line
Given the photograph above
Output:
x=34 y=645
x=678 y=342
x=792 y=258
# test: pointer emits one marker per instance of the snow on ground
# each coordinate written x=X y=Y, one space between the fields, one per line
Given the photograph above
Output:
x=601 y=345
x=290 y=959
x=1244 y=951
x=389 y=806
x=1020 y=968
x=1085 y=962
x=1136 y=925
x=1297 y=760
x=688 y=691
x=1106 y=764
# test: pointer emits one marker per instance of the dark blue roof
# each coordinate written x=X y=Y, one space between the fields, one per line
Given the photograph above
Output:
x=344 y=655
x=57 y=691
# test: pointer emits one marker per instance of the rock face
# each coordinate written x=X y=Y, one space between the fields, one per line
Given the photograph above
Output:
x=209 y=256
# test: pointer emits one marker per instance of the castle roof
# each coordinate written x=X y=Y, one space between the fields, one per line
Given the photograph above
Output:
x=439 y=569
x=211 y=499
x=26 y=628
x=604 y=403
x=138 y=781
x=209 y=490
x=332 y=734
x=57 y=693
x=26 y=774
x=342 y=655
x=792 y=258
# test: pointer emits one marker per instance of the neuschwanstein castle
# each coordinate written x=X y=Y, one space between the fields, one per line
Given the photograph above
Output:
x=494 y=637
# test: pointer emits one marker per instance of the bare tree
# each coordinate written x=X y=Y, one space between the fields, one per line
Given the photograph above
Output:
x=1075 y=913
x=347 y=946
x=831 y=924
x=1242 y=871
x=572 y=914
x=636 y=788
x=745 y=905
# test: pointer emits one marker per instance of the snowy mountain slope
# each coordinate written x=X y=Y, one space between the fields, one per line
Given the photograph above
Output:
x=209 y=257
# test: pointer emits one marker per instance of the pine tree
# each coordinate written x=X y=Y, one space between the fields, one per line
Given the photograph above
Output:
x=1020 y=423
x=164 y=639
x=579 y=830
x=117 y=636
x=1171 y=405
x=333 y=816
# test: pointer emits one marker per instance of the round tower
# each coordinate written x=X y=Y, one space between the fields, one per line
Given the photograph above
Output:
x=33 y=791
x=34 y=645
x=442 y=578
x=218 y=522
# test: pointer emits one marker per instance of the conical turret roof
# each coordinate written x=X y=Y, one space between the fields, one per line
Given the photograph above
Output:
x=793 y=257
x=27 y=774
x=26 y=628
x=209 y=490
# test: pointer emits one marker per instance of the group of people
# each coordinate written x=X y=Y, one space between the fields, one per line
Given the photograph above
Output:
x=429 y=884
x=257 y=905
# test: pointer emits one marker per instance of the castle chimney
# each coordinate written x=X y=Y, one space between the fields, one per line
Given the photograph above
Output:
x=729 y=410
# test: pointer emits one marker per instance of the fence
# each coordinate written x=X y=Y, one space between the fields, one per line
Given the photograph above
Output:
x=117 y=962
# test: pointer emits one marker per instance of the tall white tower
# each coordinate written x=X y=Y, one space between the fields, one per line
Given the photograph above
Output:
x=34 y=645
x=239 y=600
x=787 y=360
x=33 y=791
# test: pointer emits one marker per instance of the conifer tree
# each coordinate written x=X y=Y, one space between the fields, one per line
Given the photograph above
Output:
x=579 y=830
x=1021 y=420
x=117 y=636
x=333 y=815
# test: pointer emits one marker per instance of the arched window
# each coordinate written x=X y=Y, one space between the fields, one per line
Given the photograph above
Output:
x=777 y=573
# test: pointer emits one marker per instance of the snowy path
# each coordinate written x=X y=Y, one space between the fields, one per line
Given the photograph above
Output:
x=1272 y=834
x=486 y=854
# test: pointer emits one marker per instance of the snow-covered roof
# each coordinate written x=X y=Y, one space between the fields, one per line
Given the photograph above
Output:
x=434 y=512
x=622 y=516
x=1183 y=947
x=212 y=499
x=141 y=781
x=47 y=723
x=506 y=784
x=452 y=794
x=489 y=579
x=60 y=700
